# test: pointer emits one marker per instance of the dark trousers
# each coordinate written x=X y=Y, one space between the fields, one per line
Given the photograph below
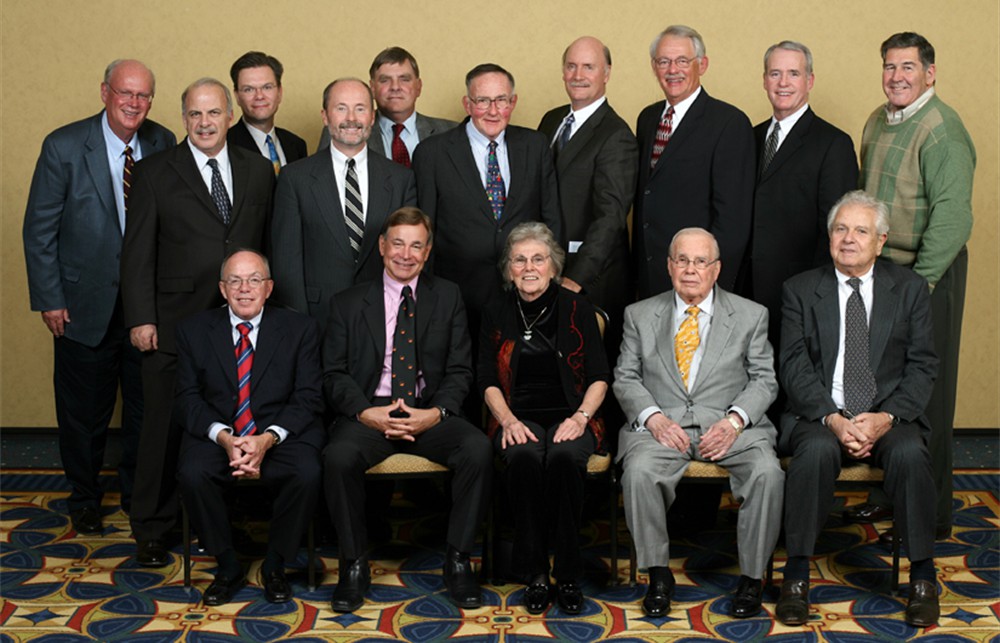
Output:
x=816 y=462
x=86 y=381
x=353 y=448
x=545 y=486
x=290 y=470
x=154 y=501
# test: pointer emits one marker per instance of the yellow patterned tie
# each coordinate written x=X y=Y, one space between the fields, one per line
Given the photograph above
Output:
x=686 y=342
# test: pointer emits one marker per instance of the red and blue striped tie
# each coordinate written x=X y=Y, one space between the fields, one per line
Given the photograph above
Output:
x=243 y=422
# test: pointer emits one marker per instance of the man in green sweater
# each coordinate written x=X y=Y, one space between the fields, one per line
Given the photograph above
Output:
x=917 y=157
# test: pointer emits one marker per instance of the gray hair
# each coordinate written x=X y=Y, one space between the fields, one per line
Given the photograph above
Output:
x=206 y=82
x=532 y=231
x=695 y=231
x=791 y=45
x=222 y=268
x=114 y=64
x=680 y=31
x=861 y=199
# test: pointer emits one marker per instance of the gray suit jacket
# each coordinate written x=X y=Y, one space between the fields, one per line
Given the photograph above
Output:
x=736 y=368
x=72 y=236
x=427 y=126
x=311 y=257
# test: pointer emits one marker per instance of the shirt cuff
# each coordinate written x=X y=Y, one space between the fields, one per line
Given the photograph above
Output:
x=743 y=415
x=640 y=421
x=215 y=428
x=282 y=433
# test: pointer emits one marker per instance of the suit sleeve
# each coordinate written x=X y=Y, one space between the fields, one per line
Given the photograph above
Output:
x=343 y=393
x=190 y=406
x=615 y=170
x=139 y=251
x=287 y=266
x=628 y=386
x=762 y=387
x=909 y=399
x=838 y=175
x=801 y=378
x=457 y=378
x=42 y=218
x=305 y=404
x=733 y=167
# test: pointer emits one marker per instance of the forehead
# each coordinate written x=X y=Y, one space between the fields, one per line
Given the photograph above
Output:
x=528 y=247
x=694 y=245
x=263 y=74
x=349 y=91
x=206 y=97
x=675 y=46
x=394 y=69
x=132 y=75
x=855 y=215
x=903 y=55
x=786 y=59
x=243 y=263
x=407 y=233
x=585 y=52
x=491 y=84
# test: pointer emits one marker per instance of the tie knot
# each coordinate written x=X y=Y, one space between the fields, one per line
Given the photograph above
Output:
x=693 y=311
x=777 y=127
x=670 y=113
x=244 y=328
x=407 y=292
x=128 y=150
x=854 y=283
x=212 y=163
x=570 y=119
x=493 y=147
x=267 y=139
x=350 y=164
x=397 y=128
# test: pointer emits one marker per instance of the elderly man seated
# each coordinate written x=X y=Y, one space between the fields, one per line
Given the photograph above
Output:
x=694 y=379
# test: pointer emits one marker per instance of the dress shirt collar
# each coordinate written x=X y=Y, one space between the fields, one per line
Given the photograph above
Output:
x=260 y=136
x=116 y=147
x=706 y=307
x=201 y=159
x=409 y=126
x=865 y=278
x=581 y=115
x=787 y=123
x=235 y=320
x=681 y=108
x=477 y=138
x=894 y=117
x=394 y=289
x=340 y=159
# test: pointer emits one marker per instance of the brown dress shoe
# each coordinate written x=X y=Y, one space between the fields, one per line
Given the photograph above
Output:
x=922 y=610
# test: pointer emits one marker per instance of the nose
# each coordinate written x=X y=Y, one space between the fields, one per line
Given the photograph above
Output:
x=493 y=109
x=897 y=73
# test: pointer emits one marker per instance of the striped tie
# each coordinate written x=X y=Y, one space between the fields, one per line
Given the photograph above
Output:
x=243 y=422
x=127 y=174
x=353 y=209
x=686 y=342
x=663 y=133
x=272 y=152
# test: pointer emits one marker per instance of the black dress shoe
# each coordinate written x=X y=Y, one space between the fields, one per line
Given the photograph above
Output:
x=661 y=588
x=463 y=588
x=922 y=610
x=867 y=512
x=87 y=521
x=222 y=590
x=793 y=603
x=746 y=600
x=276 y=587
x=355 y=579
x=152 y=553
x=570 y=597
x=537 y=595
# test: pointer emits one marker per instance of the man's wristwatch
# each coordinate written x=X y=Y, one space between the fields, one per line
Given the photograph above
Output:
x=445 y=413
x=735 y=423
x=274 y=435
x=892 y=418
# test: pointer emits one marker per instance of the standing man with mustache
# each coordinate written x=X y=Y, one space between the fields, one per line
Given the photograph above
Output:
x=189 y=207
x=330 y=208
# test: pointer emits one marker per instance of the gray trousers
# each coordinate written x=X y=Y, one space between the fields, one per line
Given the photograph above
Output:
x=650 y=475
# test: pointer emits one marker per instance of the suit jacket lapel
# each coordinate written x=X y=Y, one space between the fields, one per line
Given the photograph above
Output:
x=374 y=314
x=184 y=165
x=884 y=302
x=581 y=138
x=327 y=200
x=426 y=302
x=269 y=339
x=718 y=338
x=793 y=141
x=664 y=318
x=224 y=346
x=424 y=128
x=241 y=179
x=683 y=129
x=826 y=319
x=99 y=169
x=460 y=153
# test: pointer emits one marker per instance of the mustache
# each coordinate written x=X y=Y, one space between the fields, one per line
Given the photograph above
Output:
x=351 y=124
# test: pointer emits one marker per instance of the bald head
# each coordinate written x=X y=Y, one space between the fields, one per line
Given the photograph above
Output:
x=586 y=71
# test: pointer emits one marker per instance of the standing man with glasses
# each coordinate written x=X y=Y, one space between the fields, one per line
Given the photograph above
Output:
x=191 y=205
x=696 y=164
x=257 y=83
x=73 y=227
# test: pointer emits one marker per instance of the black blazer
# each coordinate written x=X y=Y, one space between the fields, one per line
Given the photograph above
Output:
x=311 y=257
x=354 y=346
x=293 y=146
x=596 y=175
x=285 y=383
x=704 y=178
x=175 y=239
x=901 y=341
x=814 y=167
x=468 y=240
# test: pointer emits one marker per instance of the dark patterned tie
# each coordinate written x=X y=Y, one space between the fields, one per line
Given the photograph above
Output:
x=400 y=154
x=127 y=174
x=219 y=194
x=495 y=190
x=859 y=382
x=404 y=350
x=565 y=132
x=243 y=423
x=272 y=153
x=353 y=209
x=663 y=133
x=770 y=147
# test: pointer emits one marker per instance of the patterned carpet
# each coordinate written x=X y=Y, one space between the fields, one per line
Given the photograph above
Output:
x=57 y=586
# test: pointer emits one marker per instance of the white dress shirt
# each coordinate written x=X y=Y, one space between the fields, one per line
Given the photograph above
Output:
x=201 y=161
x=481 y=150
x=340 y=171
x=260 y=138
x=408 y=135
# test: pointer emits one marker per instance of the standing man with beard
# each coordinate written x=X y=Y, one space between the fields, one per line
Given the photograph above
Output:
x=330 y=208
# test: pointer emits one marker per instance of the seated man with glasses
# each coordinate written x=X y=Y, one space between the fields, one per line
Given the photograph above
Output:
x=694 y=378
x=249 y=398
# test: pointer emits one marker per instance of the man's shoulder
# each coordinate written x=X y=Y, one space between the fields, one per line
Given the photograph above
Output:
x=437 y=125
x=720 y=109
x=290 y=135
x=653 y=111
x=155 y=162
x=741 y=305
x=77 y=132
x=901 y=276
x=517 y=135
x=387 y=167
x=287 y=318
x=254 y=159
x=807 y=280
x=650 y=304
x=197 y=323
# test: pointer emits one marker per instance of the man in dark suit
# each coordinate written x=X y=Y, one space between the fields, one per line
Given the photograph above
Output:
x=73 y=228
x=399 y=128
x=384 y=408
x=330 y=208
x=257 y=83
x=249 y=381
x=458 y=171
x=804 y=164
x=189 y=206
x=857 y=388
x=696 y=164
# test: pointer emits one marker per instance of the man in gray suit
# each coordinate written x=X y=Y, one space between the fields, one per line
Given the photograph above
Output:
x=694 y=379
x=325 y=232
x=395 y=81
x=73 y=229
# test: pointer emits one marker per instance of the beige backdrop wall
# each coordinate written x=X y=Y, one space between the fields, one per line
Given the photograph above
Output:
x=53 y=55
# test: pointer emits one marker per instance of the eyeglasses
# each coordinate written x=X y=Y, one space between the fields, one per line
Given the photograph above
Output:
x=699 y=263
x=235 y=283
x=250 y=90
x=142 y=98
x=521 y=261
x=483 y=103
x=682 y=62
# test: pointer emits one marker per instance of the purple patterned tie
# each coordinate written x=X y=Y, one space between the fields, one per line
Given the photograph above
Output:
x=495 y=190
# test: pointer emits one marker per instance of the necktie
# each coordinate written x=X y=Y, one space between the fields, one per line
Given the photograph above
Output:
x=272 y=152
x=353 y=209
x=859 y=382
x=219 y=194
x=663 y=133
x=243 y=423
x=404 y=350
x=565 y=132
x=770 y=147
x=127 y=174
x=495 y=190
x=686 y=342
x=400 y=154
